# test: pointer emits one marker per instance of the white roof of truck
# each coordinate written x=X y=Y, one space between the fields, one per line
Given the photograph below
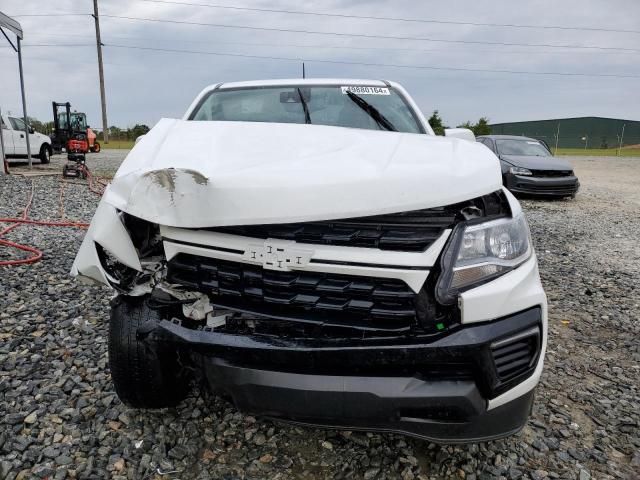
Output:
x=301 y=81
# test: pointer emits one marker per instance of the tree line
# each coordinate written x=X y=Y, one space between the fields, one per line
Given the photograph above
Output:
x=126 y=133
x=481 y=127
x=130 y=133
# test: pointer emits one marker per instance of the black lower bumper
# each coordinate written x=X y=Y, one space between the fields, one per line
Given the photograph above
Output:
x=437 y=389
x=542 y=186
x=440 y=411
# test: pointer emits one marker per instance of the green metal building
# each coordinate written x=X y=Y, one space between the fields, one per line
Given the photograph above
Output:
x=579 y=132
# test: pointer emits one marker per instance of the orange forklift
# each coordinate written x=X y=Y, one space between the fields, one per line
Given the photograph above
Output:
x=72 y=133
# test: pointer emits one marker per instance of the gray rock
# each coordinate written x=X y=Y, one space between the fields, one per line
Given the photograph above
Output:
x=13 y=418
x=178 y=452
x=371 y=473
x=31 y=418
x=43 y=471
x=63 y=460
x=584 y=475
x=515 y=473
x=5 y=468
x=50 y=452
x=539 y=474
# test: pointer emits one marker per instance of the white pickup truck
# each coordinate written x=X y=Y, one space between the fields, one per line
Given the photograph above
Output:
x=320 y=255
x=15 y=142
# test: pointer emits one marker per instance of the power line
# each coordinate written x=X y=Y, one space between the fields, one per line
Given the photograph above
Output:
x=52 y=45
x=395 y=19
x=51 y=15
x=363 y=35
x=63 y=61
x=344 y=62
x=346 y=47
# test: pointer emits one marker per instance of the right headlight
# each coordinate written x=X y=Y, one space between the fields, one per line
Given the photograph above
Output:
x=481 y=252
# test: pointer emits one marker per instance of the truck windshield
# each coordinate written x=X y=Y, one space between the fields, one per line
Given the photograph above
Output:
x=522 y=147
x=17 y=123
x=367 y=107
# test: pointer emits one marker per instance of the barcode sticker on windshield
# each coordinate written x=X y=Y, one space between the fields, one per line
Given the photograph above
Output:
x=361 y=90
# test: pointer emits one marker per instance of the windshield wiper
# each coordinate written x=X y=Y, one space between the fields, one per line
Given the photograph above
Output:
x=305 y=107
x=372 y=111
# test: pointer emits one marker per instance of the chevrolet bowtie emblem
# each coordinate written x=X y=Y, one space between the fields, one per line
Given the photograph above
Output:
x=283 y=255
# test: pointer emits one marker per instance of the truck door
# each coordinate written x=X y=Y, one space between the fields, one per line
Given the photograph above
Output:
x=19 y=140
x=7 y=138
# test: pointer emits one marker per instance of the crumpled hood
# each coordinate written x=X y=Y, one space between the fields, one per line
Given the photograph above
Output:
x=537 y=163
x=200 y=174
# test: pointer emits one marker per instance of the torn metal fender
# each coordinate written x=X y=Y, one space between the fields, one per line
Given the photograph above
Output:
x=108 y=231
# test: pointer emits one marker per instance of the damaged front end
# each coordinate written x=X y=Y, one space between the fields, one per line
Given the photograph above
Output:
x=335 y=322
x=367 y=276
x=120 y=251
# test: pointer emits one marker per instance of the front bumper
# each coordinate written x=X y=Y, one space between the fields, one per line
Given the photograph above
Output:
x=440 y=411
x=438 y=389
x=542 y=186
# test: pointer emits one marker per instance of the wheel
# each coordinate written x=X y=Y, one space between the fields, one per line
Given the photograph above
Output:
x=45 y=154
x=96 y=147
x=144 y=375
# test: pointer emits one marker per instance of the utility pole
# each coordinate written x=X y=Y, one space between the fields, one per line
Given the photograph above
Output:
x=2 y=157
x=96 y=18
x=621 y=139
x=24 y=104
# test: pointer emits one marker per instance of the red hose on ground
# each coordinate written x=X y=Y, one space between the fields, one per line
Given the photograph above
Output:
x=99 y=190
x=25 y=220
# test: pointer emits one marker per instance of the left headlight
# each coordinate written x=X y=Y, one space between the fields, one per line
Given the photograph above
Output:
x=481 y=252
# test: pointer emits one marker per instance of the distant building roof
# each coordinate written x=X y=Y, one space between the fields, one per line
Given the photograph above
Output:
x=566 y=119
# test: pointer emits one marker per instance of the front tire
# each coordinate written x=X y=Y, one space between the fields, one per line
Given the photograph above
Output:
x=145 y=375
x=45 y=154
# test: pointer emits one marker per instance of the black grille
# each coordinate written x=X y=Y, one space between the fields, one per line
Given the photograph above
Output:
x=552 y=173
x=412 y=231
x=409 y=231
x=516 y=356
x=322 y=298
x=561 y=189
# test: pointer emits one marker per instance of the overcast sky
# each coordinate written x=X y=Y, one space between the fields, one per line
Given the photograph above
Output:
x=143 y=86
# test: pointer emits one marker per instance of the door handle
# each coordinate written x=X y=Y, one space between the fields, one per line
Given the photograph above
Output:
x=22 y=135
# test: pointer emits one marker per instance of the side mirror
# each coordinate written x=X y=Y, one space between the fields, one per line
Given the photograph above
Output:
x=463 y=133
x=31 y=130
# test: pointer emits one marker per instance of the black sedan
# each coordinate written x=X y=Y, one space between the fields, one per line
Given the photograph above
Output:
x=529 y=168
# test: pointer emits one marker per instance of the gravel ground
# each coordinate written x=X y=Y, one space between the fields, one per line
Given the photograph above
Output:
x=103 y=163
x=62 y=419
